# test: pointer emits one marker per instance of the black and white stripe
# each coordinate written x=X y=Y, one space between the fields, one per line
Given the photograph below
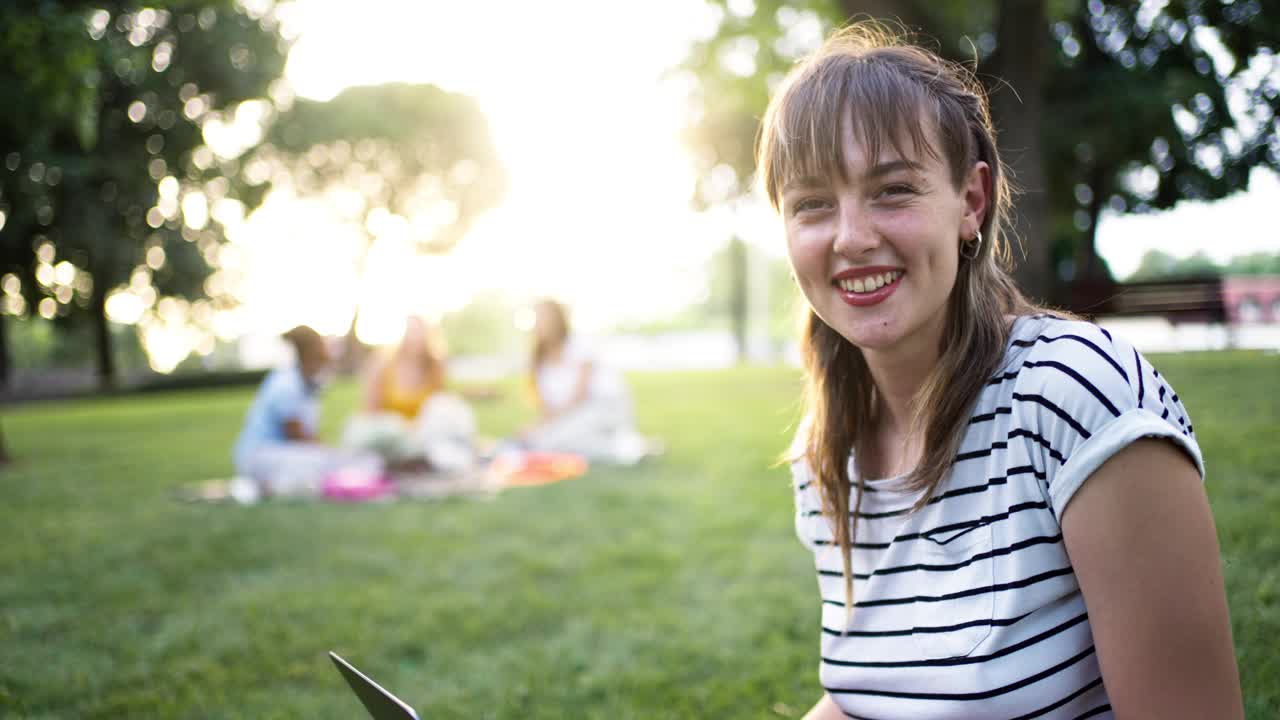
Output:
x=969 y=606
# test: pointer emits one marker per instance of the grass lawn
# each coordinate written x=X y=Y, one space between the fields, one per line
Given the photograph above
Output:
x=675 y=589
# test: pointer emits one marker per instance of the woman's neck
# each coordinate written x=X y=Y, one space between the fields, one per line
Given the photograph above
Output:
x=899 y=372
x=894 y=447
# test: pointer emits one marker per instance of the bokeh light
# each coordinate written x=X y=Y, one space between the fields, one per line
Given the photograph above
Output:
x=597 y=211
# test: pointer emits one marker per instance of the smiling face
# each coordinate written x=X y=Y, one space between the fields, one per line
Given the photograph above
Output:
x=875 y=249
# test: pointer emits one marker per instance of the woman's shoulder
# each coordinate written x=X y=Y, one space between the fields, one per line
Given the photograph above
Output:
x=579 y=348
x=1066 y=346
x=1046 y=328
x=1073 y=371
x=283 y=377
x=1080 y=374
x=1078 y=394
x=283 y=384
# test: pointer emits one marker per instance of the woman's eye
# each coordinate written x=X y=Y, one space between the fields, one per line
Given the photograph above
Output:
x=897 y=190
x=808 y=204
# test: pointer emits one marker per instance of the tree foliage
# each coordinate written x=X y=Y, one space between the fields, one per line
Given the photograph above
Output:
x=1140 y=104
x=141 y=131
x=1160 y=265
x=108 y=179
x=1151 y=105
x=411 y=151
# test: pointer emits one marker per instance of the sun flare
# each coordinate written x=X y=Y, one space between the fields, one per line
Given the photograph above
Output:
x=587 y=124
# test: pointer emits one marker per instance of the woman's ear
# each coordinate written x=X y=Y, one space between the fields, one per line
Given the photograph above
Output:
x=977 y=197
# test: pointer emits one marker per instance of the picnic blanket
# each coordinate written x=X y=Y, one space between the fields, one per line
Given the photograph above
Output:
x=536 y=468
x=512 y=469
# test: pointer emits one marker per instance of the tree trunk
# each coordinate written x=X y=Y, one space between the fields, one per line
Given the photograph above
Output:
x=1089 y=265
x=1021 y=38
x=738 y=299
x=6 y=363
x=105 y=361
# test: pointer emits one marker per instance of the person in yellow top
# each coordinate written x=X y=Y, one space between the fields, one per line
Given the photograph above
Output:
x=402 y=381
x=407 y=417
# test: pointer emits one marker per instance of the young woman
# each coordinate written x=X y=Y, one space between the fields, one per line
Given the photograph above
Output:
x=409 y=418
x=403 y=380
x=583 y=405
x=1005 y=505
x=278 y=449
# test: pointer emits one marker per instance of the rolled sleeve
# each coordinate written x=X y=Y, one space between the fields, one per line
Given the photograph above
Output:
x=1082 y=396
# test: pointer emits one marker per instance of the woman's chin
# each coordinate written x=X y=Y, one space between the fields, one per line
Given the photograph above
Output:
x=876 y=336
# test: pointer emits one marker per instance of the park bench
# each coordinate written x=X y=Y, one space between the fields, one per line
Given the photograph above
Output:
x=1193 y=299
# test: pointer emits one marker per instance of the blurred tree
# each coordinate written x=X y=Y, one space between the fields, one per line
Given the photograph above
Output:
x=397 y=157
x=484 y=326
x=1259 y=263
x=1153 y=105
x=1158 y=265
x=1154 y=264
x=1123 y=105
x=108 y=177
x=730 y=284
x=738 y=275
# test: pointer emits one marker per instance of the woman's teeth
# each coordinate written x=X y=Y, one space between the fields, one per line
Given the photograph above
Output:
x=870 y=283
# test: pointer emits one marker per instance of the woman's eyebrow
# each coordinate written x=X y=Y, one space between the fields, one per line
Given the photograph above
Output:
x=806 y=182
x=811 y=182
x=891 y=166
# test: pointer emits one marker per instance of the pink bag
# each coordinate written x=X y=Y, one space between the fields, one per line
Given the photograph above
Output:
x=353 y=485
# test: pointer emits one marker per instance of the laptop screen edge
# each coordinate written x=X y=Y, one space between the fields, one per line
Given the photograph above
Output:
x=354 y=676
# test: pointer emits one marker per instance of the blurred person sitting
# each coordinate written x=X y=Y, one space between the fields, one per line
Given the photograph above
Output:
x=401 y=382
x=584 y=405
x=408 y=417
x=278 y=451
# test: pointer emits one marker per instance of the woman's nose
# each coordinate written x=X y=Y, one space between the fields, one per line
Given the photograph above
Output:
x=854 y=233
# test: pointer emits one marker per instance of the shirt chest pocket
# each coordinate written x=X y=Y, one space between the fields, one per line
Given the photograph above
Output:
x=952 y=613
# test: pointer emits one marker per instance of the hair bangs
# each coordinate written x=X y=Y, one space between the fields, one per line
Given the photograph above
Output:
x=835 y=99
x=889 y=111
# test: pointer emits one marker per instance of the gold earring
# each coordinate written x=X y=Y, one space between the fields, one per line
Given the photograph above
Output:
x=969 y=249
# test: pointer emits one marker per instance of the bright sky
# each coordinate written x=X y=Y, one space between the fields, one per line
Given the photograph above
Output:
x=597 y=212
x=1241 y=224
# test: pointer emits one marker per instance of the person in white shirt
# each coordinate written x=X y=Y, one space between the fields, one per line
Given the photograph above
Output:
x=1005 y=505
x=584 y=406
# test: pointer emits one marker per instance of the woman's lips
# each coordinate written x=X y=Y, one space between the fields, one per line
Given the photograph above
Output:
x=869 y=286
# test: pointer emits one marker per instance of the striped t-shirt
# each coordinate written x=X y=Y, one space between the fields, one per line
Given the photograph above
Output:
x=970 y=608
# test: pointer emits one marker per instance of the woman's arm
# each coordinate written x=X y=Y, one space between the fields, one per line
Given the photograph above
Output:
x=295 y=430
x=583 y=388
x=1143 y=545
x=826 y=709
x=372 y=391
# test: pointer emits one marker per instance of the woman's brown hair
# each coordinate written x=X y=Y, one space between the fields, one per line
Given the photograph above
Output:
x=543 y=347
x=305 y=341
x=898 y=94
x=428 y=355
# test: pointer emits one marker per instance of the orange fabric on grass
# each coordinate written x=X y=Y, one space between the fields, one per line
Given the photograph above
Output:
x=540 y=468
